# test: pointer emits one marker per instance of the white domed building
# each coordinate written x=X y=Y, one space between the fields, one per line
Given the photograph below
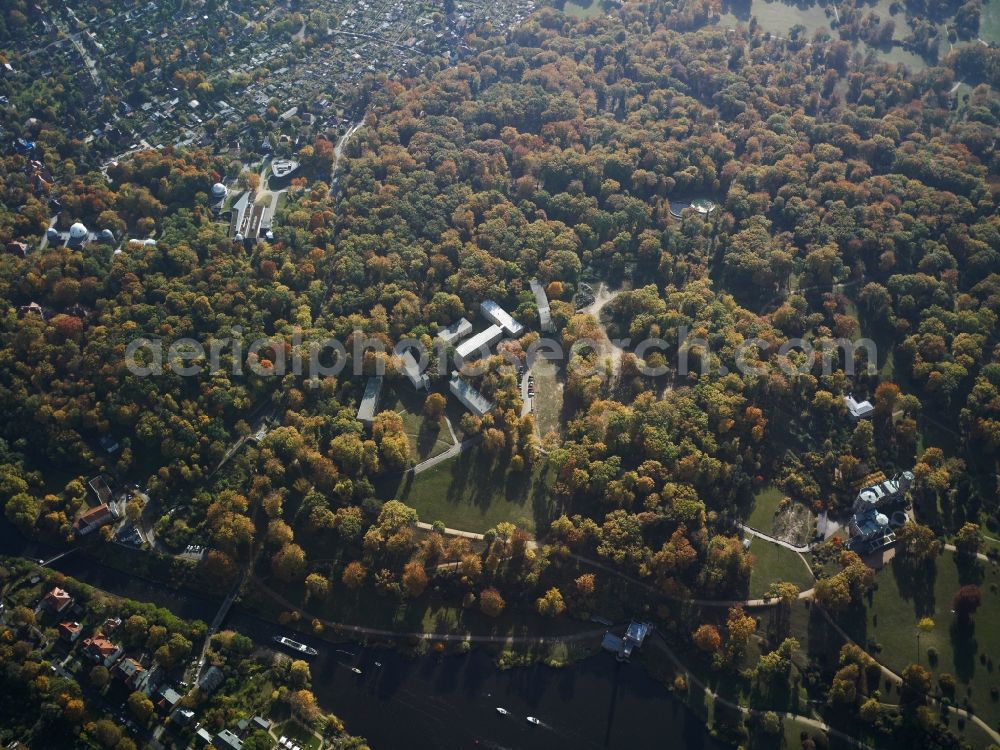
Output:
x=219 y=191
x=78 y=235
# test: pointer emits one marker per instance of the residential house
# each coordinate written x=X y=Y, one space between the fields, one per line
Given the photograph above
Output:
x=101 y=651
x=131 y=672
x=56 y=600
x=211 y=680
x=110 y=626
x=226 y=740
x=167 y=699
x=204 y=735
x=70 y=631
x=95 y=518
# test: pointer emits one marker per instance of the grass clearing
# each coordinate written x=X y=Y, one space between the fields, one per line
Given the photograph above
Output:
x=548 y=402
x=475 y=492
x=773 y=563
x=426 y=439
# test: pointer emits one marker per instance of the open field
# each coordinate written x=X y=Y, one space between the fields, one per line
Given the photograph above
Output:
x=475 y=492
x=773 y=563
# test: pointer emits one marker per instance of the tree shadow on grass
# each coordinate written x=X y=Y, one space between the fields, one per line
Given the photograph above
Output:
x=916 y=584
x=964 y=648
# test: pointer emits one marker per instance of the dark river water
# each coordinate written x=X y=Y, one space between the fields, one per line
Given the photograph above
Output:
x=435 y=702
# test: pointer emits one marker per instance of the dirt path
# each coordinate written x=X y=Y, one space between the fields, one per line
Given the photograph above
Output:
x=613 y=351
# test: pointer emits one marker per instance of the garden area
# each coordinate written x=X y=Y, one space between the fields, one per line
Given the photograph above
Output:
x=773 y=514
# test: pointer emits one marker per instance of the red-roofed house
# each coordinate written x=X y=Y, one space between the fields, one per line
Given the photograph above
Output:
x=94 y=519
x=101 y=650
x=56 y=600
x=70 y=631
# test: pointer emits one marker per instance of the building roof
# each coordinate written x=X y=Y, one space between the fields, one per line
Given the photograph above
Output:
x=212 y=678
x=858 y=409
x=542 y=303
x=70 y=630
x=57 y=600
x=501 y=317
x=483 y=339
x=411 y=368
x=226 y=740
x=455 y=332
x=100 y=646
x=469 y=396
x=370 y=399
x=96 y=516
x=869 y=523
x=78 y=231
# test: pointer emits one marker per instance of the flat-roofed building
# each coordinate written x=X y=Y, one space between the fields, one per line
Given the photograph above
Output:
x=496 y=314
x=858 y=409
x=881 y=494
x=370 y=400
x=471 y=399
x=542 y=302
x=455 y=332
x=470 y=348
x=411 y=368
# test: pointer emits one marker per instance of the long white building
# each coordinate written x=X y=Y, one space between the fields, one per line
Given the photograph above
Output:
x=370 y=400
x=471 y=399
x=542 y=302
x=496 y=314
x=484 y=339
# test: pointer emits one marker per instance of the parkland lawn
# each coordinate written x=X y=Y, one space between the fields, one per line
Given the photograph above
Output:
x=972 y=655
x=474 y=492
x=773 y=563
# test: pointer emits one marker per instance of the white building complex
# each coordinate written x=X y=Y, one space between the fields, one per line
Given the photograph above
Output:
x=496 y=314
x=881 y=494
x=470 y=348
x=542 y=302
x=471 y=399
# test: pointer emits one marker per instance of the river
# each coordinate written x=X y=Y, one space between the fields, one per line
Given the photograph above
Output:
x=436 y=702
